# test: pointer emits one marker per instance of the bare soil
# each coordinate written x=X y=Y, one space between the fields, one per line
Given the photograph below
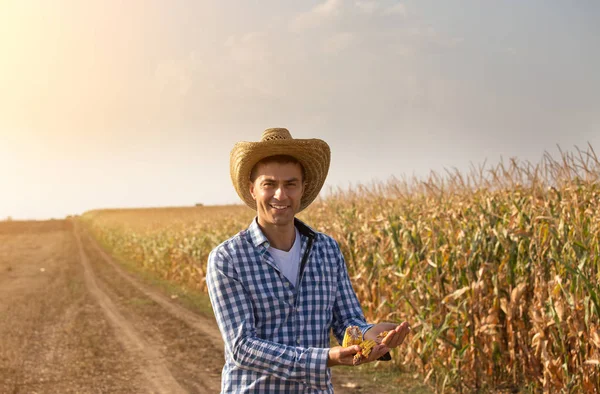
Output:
x=70 y=323
x=73 y=321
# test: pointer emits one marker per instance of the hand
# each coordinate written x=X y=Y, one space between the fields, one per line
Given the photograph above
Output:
x=339 y=355
x=345 y=355
x=376 y=353
x=394 y=338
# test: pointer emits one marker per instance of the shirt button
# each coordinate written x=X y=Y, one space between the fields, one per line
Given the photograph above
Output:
x=298 y=341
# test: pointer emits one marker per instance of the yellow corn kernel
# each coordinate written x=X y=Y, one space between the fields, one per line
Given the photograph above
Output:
x=367 y=346
x=352 y=336
x=382 y=335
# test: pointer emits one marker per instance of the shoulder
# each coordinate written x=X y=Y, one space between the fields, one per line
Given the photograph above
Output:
x=226 y=250
x=325 y=240
x=327 y=245
x=320 y=238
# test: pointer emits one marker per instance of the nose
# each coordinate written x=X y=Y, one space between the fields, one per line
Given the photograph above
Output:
x=280 y=193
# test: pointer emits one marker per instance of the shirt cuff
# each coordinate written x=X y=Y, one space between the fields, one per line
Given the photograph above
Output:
x=316 y=367
x=364 y=328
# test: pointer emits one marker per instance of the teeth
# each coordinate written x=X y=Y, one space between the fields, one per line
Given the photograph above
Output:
x=279 y=206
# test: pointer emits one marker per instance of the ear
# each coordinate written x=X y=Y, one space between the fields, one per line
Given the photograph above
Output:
x=251 y=186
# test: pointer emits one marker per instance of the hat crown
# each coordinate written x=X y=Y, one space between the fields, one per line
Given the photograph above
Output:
x=275 y=134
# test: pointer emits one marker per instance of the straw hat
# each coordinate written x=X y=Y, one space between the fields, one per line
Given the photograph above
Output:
x=313 y=154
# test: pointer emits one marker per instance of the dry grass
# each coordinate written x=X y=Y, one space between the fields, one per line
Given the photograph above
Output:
x=497 y=269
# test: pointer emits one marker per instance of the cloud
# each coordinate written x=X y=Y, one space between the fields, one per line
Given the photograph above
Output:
x=251 y=49
x=317 y=15
x=338 y=42
x=396 y=9
x=367 y=6
x=329 y=7
x=345 y=15
x=275 y=67
x=429 y=37
x=252 y=64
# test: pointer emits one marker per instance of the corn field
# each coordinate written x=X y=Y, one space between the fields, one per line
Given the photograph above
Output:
x=497 y=270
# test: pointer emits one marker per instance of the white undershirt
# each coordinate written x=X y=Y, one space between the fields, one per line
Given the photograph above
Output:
x=288 y=262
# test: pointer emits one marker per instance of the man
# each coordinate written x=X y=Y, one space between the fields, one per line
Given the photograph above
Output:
x=279 y=287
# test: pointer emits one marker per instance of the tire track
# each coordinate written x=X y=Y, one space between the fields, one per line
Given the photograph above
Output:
x=155 y=370
x=198 y=322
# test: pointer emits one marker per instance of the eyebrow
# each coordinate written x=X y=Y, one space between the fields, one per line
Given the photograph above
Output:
x=294 y=179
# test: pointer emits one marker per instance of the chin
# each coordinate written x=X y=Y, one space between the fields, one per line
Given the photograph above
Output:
x=281 y=220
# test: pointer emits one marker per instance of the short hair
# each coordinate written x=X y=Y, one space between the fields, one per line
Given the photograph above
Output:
x=280 y=159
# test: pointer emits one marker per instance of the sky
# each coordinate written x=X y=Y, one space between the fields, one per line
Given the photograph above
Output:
x=138 y=103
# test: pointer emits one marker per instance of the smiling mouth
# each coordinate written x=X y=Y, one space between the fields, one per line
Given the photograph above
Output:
x=278 y=207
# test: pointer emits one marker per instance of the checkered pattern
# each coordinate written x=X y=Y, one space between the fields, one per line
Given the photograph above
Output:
x=276 y=335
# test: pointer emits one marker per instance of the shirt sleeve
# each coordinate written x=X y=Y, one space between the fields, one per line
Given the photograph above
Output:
x=346 y=309
x=233 y=310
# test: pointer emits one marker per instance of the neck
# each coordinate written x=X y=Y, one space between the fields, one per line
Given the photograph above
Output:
x=280 y=237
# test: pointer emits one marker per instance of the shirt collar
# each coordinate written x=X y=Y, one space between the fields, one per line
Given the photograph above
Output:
x=259 y=239
x=256 y=235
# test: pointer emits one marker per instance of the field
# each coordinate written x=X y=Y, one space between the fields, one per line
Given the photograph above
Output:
x=497 y=270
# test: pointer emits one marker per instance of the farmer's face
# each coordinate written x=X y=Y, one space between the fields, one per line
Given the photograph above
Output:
x=278 y=190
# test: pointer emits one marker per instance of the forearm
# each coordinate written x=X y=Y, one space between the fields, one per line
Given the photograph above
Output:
x=307 y=365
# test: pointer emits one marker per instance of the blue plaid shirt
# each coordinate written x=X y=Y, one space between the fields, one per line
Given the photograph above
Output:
x=277 y=334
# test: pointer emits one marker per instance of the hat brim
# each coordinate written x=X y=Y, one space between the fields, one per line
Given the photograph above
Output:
x=313 y=154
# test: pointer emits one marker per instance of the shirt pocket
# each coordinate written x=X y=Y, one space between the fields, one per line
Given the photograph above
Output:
x=322 y=287
x=272 y=308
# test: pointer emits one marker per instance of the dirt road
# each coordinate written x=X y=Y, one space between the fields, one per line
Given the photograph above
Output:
x=71 y=320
